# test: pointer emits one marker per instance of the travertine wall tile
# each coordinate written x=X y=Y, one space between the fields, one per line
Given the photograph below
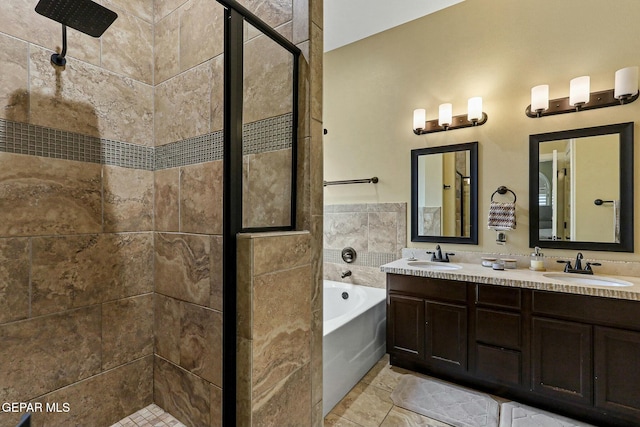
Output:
x=217 y=93
x=184 y=395
x=140 y=8
x=182 y=107
x=14 y=97
x=287 y=404
x=273 y=12
x=216 y=272
x=14 y=279
x=216 y=406
x=315 y=73
x=103 y=399
x=201 y=187
x=383 y=232
x=128 y=199
x=89 y=100
x=346 y=229
x=48 y=196
x=46 y=353
x=300 y=21
x=75 y=271
x=281 y=332
x=279 y=252
x=267 y=80
x=267 y=189
x=127 y=330
x=201 y=32
x=167 y=318
x=167 y=47
x=162 y=8
x=167 y=191
x=182 y=267
x=127 y=47
x=201 y=342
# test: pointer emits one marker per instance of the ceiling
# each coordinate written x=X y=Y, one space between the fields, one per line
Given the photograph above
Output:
x=347 y=21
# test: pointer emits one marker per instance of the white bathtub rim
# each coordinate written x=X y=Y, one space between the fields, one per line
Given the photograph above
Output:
x=374 y=296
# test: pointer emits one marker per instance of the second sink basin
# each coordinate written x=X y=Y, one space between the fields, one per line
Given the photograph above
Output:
x=431 y=265
x=587 y=280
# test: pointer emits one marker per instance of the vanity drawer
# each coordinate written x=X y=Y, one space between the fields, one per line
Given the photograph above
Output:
x=428 y=288
x=498 y=296
x=594 y=310
x=498 y=364
x=498 y=328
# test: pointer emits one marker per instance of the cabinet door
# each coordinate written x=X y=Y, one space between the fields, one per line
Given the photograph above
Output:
x=405 y=326
x=446 y=338
x=562 y=366
x=617 y=362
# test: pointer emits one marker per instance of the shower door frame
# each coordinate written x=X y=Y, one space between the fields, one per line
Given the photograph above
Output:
x=235 y=16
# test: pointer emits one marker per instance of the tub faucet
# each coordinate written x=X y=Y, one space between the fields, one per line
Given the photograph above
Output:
x=437 y=255
x=345 y=274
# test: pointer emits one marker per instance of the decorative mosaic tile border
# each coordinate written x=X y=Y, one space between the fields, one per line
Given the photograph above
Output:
x=366 y=259
x=22 y=138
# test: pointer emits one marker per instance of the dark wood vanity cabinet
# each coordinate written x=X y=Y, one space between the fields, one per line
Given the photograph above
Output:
x=573 y=354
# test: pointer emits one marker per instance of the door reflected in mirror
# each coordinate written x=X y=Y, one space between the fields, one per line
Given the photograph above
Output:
x=581 y=184
x=444 y=194
x=568 y=209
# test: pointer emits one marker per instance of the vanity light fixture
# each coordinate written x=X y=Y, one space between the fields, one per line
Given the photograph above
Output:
x=580 y=98
x=446 y=121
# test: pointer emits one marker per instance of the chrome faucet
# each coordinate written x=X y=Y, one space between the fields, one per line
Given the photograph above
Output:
x=578 y=267
x=438 y=256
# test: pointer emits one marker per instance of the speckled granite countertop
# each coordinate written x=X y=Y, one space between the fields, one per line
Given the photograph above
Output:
x=521 y=278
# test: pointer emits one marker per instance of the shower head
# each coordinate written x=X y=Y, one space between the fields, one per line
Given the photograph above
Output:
x=82 y=15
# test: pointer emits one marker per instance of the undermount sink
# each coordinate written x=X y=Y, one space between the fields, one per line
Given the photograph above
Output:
x=433 y=265
x=587 y=280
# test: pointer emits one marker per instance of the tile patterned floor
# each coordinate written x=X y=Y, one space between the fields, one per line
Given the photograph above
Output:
x=369 y=403
x=151 y=416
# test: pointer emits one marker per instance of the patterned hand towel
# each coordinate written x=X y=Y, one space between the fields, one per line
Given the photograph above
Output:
x=502 y=216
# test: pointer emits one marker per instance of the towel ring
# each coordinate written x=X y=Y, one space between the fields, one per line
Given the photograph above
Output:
x=503 y=190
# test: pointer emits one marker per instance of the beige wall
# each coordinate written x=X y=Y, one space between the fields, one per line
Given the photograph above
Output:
x=496 y=49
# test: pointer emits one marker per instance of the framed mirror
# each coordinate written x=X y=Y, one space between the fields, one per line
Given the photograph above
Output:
x=444 y=194
x=581 y=189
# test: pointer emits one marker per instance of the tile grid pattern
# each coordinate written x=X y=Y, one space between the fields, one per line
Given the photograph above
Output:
x=366 y=259
x=22 y=138
x=151 y=416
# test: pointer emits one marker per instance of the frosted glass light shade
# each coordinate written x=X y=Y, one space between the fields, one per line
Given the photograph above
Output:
x=445 y=113
x=474 y=109
x=419 y=118
x=579 y=90
x=540 y=98
x=626 y=82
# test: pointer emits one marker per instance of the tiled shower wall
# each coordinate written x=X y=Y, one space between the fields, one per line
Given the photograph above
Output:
x=77 y=242
x=377 y=232
x=76 y=237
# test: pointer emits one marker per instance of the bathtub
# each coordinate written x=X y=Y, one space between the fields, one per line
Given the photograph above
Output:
x=354 y=337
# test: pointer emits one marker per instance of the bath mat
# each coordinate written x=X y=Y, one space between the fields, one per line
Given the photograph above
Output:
x=514 y=414
x=446 y=402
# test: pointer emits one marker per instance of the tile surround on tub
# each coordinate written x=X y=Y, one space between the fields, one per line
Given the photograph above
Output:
x=377 y=231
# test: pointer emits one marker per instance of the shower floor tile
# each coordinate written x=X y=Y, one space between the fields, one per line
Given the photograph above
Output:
x=151 y=416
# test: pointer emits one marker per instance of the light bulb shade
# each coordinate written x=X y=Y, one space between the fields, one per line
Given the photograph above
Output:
x=579 y=90
x=540 y=98
x=419 y=118
x=445 y=114
x=474 y=109
x=626 y=82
